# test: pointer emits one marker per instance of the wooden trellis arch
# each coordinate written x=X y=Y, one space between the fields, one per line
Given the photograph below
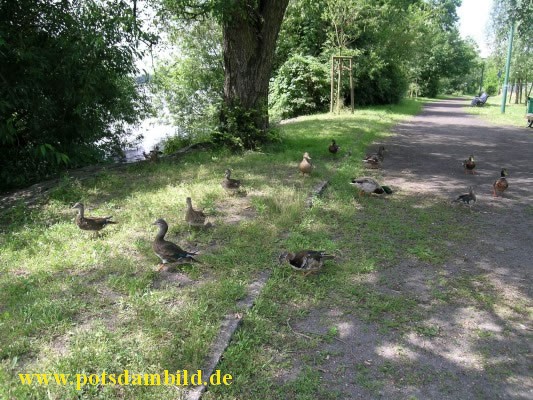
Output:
x=338 y=64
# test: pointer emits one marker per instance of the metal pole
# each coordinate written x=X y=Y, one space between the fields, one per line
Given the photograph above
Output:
x=481 y=81
x=507 y=67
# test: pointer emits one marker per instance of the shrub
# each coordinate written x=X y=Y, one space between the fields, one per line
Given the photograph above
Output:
x=300 y=87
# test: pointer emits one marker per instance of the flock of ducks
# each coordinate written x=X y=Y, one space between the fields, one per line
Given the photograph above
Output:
x=168 y=252
x=499 y=186
x=305 y=261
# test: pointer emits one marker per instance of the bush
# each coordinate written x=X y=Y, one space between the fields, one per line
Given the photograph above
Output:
x=67 y=91
x=300 y=87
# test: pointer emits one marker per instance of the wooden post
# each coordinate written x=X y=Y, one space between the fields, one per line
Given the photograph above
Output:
x=351 y=86
x=339 y=63
x=339 y=82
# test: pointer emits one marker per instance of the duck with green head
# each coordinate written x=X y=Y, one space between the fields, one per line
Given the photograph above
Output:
x=500 y=185
x=370 y=185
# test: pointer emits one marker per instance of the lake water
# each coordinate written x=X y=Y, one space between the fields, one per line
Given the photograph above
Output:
x=153 y=130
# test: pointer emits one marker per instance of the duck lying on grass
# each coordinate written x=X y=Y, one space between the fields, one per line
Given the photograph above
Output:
x=194 y=217
x=369 y=185
x=374 y=160
x=167 y=251
x=500 y=185
x=305 y=261
x=90 y=223
x=467 y=198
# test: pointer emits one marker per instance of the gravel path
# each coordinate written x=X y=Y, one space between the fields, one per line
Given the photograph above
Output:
x=477 y=344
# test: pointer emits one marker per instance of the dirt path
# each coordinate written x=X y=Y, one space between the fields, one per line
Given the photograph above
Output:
x=475 y=340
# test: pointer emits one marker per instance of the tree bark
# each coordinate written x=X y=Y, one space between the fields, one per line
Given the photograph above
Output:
x=249 y=42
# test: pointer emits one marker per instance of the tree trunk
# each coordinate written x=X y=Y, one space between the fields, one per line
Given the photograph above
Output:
x=249 y=42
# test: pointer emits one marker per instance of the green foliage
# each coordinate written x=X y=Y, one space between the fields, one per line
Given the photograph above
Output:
x=238 y=129
x=301 y=86
x=191 y=85
x=67 y=84
x=441 y=59
x=303 y=31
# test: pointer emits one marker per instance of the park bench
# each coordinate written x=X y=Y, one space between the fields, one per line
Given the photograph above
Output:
x=479 y=100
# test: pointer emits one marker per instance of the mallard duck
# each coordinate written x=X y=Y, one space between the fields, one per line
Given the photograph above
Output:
x=305 y=165
x=374 y=160
x=90 y=223
x=333 y=147
x=500 y=185
x=469 y=165
x=194 y=217
x=369 y=185
x=466 y=198
x=167 y=251
x=306 y=261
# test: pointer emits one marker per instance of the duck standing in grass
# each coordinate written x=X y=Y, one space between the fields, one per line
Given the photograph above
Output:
x=305 y=165
x=306 y=261
x=469 y=165
x=500 y=185
x=232 y=186
x=467 y=198
x=90 y=223
x=369 y=185
x=194 y=217
x=333 y=147
x=167 y=251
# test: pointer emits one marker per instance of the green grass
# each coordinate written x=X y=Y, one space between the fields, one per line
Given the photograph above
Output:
x=514 y=113
x=73 y=303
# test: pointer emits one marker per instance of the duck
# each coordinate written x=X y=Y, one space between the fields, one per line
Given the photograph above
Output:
x=194 y=217
x=167 y=251
x=306 y=261
x=333 y=147
x=90 y=223
x=369 y=185
x=469 y=165
x=305 y=165
x=229 y=184
x=467 y=198
x=500 y=185
x=153 y=155
x=374 y=160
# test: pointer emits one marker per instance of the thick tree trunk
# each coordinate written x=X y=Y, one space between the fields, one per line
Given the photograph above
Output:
x=249 y=42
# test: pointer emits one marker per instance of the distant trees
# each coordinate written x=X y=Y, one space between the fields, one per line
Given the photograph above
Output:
x=505 y=12
x=67 y=84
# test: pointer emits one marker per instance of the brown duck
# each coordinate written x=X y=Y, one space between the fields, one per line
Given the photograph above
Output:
x=467 y=198
x=229 y=184
x=306 y=261
x=500 y=185
x=333 y=147
x=194 y=217
x=90 y=223
x=469 y=165
x=167 y=251
x=305 y=165
x=374 y=160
